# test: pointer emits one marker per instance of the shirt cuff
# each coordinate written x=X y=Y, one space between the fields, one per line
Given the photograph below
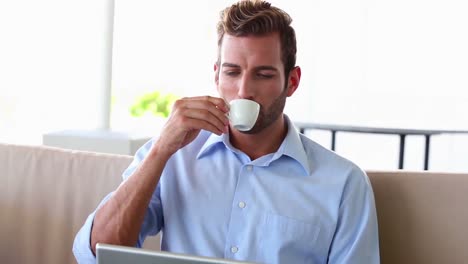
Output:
x=82 y=244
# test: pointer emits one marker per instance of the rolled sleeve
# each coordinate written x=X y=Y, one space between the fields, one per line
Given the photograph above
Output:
x=82 y=244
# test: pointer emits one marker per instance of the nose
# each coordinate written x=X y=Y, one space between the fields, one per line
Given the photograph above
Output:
x=245 y=89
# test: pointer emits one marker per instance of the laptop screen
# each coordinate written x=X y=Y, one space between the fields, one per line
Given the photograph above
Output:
x=111 y=254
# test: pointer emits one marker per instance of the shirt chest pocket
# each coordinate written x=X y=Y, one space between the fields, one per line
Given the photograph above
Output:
x=288 y=240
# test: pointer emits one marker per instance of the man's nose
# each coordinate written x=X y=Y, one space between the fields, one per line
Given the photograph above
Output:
x=245 y=89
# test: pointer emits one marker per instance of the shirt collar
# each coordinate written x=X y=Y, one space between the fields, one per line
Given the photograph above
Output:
x=292 y=146
x=212 y=141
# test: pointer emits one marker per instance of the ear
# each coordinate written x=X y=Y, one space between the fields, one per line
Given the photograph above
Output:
x=293 y=80
x=216 y=72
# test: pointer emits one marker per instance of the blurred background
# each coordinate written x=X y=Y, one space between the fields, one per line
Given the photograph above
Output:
x=394 y=64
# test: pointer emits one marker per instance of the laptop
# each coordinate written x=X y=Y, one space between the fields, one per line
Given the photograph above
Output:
x=111 y=254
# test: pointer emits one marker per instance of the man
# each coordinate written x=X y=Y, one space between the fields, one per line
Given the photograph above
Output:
x=269 y=195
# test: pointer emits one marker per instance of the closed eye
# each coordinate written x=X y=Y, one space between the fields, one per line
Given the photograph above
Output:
x=231 y=73
x=265 y=75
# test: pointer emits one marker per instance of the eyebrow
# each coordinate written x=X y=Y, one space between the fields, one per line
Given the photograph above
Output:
x=231 y=65
x=266 y=67
x=258 y=68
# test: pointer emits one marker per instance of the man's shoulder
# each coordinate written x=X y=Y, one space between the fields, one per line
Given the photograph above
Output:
x=323 y=155
x=323 y=159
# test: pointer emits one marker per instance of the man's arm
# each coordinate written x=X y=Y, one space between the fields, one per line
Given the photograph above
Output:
x=119 y=220
x=356 y=237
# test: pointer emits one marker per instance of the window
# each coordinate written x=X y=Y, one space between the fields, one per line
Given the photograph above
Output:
x=370 y=63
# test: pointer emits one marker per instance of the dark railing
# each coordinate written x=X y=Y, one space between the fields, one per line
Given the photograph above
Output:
x=401 y=132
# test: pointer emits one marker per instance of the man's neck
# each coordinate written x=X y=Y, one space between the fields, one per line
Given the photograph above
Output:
x=265 y=142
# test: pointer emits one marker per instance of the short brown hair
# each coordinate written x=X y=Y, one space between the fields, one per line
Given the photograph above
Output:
x=256 y=17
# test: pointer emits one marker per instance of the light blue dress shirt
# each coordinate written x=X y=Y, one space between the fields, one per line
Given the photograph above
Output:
x=301 y=204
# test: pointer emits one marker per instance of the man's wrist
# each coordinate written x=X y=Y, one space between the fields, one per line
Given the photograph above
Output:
x=159 y=152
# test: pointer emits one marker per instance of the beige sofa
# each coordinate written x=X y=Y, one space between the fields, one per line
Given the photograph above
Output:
x=46 y=194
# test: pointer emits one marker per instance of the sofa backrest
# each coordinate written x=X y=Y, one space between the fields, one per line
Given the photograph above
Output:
x=47 y=193
x=423 y=216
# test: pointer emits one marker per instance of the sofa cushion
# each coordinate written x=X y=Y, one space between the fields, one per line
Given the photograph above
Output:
x=46 y=195
x=422 y=216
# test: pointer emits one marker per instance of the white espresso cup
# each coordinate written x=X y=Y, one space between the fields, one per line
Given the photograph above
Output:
x=243 y=114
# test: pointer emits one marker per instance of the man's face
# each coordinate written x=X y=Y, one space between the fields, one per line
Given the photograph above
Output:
x=251 y=68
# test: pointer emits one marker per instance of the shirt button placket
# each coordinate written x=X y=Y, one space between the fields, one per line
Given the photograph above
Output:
x=241 y=205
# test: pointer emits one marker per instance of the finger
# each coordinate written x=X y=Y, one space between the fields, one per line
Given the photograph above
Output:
x=217 y=101
x=207 y=116
x=196 y=123
x=205 y=106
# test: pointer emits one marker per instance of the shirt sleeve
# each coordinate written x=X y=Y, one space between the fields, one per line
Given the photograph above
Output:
x=82 y=244
x=151 y=224
x=356 y=237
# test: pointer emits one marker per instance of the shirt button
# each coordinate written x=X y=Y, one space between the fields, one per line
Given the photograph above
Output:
x=249 y=168
x=234 y=249
x=241 y=204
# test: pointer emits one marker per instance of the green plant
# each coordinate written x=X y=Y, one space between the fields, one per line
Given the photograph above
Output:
x=155 y=103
